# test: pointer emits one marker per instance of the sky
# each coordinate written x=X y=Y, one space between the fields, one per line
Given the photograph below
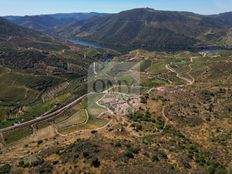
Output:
x=35 y=7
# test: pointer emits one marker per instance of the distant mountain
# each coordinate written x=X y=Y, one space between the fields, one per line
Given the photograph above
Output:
x=225 y=18
x=76 y=16
x=137 y=28
x=153 y=30
x=52 y=22
x=12 y=35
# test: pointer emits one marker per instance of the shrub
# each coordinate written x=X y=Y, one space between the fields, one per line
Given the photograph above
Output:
x=163 y=154
x=37 y=162
x=211 y=169
x=147 y=140
x=46 y=168
x=134 y=150
x=93 y=132
x=139 y=127
x=95 y=162
x=128 y=154
x=55 y=162
x=76 y=156
x=155 y=157
x=117 y=144
x=26 y=165
x=220 y=171
x=85 y=154
x=21 y=164
x=215 y=168
x=40 y=142
x=6 y=168
x=200 y=160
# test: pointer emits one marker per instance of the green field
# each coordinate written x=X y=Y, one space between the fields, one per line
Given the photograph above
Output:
x=36 y=110
x=19 y=90
x=82 y=116
x=13 y=88
x=93 y=123
x=89 y=103
x=17 y=134
x=77 y=118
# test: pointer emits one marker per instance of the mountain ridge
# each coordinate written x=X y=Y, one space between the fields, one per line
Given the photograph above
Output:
x=144 y=28
x=49 y=22
x=12 y=35
x=150 y=29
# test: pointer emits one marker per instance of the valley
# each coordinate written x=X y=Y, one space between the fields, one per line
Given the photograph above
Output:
x=139 y=91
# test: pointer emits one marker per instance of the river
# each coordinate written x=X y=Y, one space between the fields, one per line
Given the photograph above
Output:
x=85 y=43
x=213 y=50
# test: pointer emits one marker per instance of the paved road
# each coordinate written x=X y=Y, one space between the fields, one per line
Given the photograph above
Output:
x=43 y=117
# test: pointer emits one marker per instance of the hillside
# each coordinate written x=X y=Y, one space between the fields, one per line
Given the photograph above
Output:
x=38 y=73
x=34 y=81
x=225 y=18
x=12 y=35
x=151 y=29
x=182 y=124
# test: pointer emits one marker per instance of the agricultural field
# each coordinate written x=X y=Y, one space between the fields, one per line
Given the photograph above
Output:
x=90 y=103
x=18 y=90
x=86 y=115
x=34 y=82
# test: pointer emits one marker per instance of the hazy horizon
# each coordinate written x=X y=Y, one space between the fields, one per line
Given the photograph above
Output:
x=108 y=13
x=42 y=7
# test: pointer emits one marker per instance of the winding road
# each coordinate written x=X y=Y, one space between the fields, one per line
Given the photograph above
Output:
x=44 y=116
x=189 y=81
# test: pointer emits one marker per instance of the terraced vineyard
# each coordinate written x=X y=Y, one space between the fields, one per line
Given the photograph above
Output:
x=34 y=82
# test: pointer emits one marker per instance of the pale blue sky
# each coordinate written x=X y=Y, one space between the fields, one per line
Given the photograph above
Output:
x=31 y=7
